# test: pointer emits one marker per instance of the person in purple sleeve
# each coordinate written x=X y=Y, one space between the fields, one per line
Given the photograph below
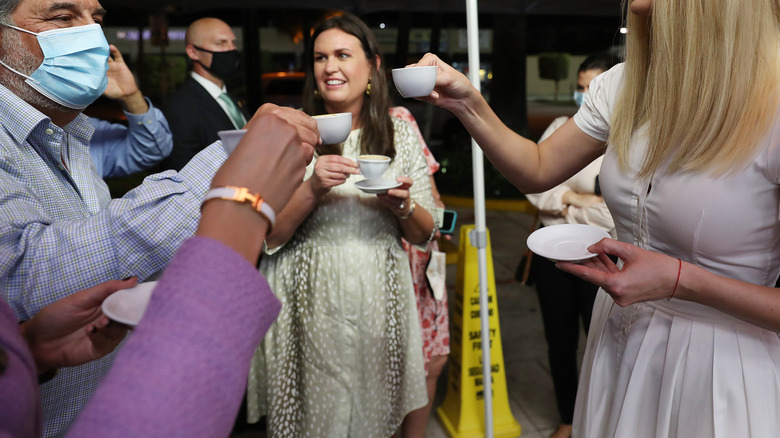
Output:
x=207 y=314
x=60 y=229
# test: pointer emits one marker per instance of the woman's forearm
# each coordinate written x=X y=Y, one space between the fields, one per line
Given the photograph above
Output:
x=418 y=227
x=759 y=305
x=246 y=231
x=513 y=155
x=530 y=167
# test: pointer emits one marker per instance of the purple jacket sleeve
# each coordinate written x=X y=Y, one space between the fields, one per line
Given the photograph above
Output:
x=20 y=401
x=184 y=369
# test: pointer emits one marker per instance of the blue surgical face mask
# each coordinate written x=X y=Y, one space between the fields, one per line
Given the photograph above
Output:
x=579 y=97
x=75 y=62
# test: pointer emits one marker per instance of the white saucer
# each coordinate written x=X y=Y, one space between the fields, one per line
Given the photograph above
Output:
x=565 y=242
x=377 y=186
x=128 y=305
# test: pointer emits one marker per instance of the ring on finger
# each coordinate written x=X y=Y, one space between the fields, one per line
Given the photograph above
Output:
x=401 y=207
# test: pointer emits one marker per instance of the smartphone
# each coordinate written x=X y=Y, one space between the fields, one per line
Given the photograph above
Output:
x=448 y=225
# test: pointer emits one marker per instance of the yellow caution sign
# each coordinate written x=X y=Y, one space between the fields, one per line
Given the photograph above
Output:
x=462 y=413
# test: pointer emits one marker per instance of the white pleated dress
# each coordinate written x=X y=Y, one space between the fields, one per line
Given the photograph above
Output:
x=676 y=368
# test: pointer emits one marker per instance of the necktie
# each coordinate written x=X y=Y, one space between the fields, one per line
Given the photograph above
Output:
x=233 y=112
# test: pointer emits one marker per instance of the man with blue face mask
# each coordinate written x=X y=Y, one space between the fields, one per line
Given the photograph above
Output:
x=60 y=231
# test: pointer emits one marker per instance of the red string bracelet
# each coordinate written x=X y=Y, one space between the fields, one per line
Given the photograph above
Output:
x=679 y=269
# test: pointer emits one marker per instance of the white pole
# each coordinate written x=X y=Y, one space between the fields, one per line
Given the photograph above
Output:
x=479 y=234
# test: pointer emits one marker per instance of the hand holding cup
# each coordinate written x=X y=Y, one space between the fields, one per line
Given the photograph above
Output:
x=331 y=171
x=334 y=128
x=270 y=159
x=305 y=126
x=451 y=86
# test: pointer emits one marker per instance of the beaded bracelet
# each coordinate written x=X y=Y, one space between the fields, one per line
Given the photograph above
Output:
x=242 y=195
x=679 y=269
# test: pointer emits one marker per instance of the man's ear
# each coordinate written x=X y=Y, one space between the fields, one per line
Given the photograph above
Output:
x=191 y=52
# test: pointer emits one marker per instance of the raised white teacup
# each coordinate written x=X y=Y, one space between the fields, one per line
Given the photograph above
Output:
x=334 y=128
x=373 y=166
x=230 y=138
x=415 y=81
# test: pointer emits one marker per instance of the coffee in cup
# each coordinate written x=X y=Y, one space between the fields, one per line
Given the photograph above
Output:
x=373 y=166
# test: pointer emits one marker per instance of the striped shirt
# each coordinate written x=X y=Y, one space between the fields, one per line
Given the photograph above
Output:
x=61 y=232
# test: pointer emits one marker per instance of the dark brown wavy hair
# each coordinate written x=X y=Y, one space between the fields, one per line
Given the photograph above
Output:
x=376 y=136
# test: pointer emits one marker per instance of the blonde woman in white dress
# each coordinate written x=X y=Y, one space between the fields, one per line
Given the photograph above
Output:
x=684 y=337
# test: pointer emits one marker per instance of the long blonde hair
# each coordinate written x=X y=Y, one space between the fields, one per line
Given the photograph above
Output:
x=703 y=77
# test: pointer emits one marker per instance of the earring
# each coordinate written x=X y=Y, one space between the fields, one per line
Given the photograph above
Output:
x=316 y=93
x=368 y=88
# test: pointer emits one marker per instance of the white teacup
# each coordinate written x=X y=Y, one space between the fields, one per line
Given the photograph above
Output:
x=373 y=166
x=334 y=128
x=415 y=81
x=231 y=138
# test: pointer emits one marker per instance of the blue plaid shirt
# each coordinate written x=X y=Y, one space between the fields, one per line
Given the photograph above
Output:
x=119 y=150
x=61 y=232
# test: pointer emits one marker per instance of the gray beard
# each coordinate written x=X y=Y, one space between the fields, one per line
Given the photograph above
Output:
x=13 y=55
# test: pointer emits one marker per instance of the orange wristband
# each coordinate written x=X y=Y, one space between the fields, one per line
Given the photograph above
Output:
x=242 y=195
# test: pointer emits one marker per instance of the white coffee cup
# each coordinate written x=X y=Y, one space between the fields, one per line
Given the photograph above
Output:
x=415 y=81
x=230 y=138
x=334 y=128
x=373 y=166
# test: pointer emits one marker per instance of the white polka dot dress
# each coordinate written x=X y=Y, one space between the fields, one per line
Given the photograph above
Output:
x=344 y=357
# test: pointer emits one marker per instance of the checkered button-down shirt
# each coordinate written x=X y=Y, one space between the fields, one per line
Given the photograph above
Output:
x=61 y=232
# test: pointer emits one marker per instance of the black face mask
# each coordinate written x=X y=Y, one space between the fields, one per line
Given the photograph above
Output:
x=223 y=64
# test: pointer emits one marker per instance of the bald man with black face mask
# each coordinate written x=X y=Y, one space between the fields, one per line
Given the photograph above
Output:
x=202 y=106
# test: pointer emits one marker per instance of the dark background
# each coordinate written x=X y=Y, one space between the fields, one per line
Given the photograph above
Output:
x=520 y=28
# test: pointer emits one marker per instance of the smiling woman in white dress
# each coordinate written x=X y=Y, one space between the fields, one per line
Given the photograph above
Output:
x=344 y=358
x=683 y=341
